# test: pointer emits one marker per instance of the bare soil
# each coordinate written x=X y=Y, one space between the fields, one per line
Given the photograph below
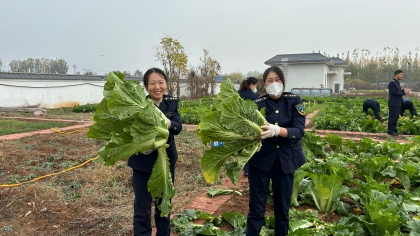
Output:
x=91 y=200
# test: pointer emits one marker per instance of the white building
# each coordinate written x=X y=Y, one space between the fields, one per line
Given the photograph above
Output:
x=310 y=70
x=59 y=90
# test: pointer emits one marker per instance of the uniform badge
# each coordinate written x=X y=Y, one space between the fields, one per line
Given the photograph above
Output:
x=169 y=114
x=301 y=109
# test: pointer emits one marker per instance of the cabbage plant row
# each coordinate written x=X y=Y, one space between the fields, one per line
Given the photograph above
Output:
x=374 y=187
x=345 y=114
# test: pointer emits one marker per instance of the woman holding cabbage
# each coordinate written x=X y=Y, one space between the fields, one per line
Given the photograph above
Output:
x=280 y=155
x=155 y=82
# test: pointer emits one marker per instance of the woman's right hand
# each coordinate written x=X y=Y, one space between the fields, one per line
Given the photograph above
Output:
x=147 y=152
x=270 y=131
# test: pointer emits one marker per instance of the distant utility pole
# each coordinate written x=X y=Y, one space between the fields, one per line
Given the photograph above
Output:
x=74 y=69
x=408 y=74
x=101 y=62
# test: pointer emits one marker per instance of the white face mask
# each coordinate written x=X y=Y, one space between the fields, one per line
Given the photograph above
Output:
x=274 y=89
x=254 y=90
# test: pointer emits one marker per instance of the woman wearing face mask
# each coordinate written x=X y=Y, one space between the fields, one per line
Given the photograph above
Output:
x=155 y=83
x=248 y=89
x=280 y=155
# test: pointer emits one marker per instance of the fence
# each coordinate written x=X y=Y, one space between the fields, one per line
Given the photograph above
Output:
x=312 y=92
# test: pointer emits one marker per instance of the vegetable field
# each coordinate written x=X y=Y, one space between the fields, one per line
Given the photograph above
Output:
x=347 y=187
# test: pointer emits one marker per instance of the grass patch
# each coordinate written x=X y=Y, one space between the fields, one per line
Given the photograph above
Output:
x=11 y=126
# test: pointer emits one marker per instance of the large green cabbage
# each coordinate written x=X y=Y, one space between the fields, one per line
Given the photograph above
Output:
x=236 y=123
x=132 y=124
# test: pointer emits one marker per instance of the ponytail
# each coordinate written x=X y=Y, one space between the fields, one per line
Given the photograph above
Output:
x=247 y=82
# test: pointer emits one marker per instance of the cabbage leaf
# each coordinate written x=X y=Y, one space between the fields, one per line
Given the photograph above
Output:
x=236 y=123
x=131 y=123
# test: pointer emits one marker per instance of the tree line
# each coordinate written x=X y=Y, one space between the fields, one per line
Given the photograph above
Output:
x=39 y=65
x=375 y=71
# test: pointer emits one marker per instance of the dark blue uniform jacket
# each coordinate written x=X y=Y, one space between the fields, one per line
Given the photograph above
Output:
x=408 y=105
x=395 y=94
x=248 y=94
x=374 y=105
x=169 y=107
x=288 y=113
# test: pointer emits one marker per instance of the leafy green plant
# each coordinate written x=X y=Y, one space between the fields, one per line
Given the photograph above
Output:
x=407 y=173
x=297 y=188
x=236 y=123
x=14 y=179
x=235 y=219
x=131 y=123
x=334 y=141
x=85 y=108
x=325 y=190
x=13 y=126
x=382 y=215
x=6 y=228
x=184 y=226
x=29 y=177
x=376 y=167
x=217 y=191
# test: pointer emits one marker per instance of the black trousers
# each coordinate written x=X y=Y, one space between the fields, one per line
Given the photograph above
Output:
x=142 y=208
x=394 y=113
x=282 y=185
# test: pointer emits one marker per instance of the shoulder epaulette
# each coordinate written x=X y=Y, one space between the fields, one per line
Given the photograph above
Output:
x=261 y=99
x=172 y=99
x=290 y=95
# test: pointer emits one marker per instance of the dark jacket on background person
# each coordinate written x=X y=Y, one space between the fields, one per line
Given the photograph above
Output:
x=374 y=105
x=248 y=94
x=408 y=105
x=395 y=94
x=395 y=102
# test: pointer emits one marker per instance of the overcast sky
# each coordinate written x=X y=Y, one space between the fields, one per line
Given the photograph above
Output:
x=239 y=34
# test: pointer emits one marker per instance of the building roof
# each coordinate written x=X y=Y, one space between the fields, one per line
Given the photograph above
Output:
x=304 y=58
x=35 y=76
x=338 y=62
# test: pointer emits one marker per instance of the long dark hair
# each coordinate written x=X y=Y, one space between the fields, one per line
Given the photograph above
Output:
x=247 y=82
x=150 y=71
x=276 y=70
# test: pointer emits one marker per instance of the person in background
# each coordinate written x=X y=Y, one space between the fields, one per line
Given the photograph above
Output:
x=395 y=101
x=248 y=90
x=155 y=82
x=374 y=105
x=280 y=155
x=408 y=105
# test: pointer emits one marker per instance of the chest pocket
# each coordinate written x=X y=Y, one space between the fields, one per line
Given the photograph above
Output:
x=169 y=114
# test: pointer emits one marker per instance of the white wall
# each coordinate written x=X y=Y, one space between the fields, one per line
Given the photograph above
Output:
x=57 y=93
x=312 y=75
x=338 y=78
x=304 y=76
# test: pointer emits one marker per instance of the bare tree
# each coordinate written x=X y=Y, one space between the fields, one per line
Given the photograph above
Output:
x=209 y=68
x=196 y=84
x=171 y=54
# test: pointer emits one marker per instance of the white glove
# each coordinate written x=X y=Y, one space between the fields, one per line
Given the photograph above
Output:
x=270 y=131
x=147 y=152
x=168 y=121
